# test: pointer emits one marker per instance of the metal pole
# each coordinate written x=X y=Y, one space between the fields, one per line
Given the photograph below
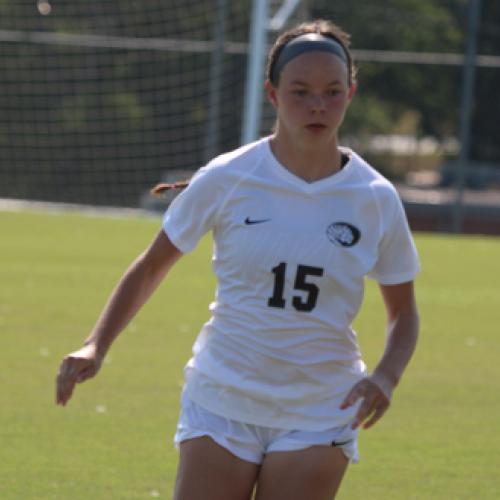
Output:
x=255 y=71
x=283 y=14
x=216 y=73
x=466 y=111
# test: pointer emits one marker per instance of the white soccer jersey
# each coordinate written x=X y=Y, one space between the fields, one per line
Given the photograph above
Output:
x=290 y=258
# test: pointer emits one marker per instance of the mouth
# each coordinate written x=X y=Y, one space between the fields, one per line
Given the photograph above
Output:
x=316 y=127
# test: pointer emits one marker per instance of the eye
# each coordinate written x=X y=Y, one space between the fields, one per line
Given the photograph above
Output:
x=299 y=92
x=334 y=92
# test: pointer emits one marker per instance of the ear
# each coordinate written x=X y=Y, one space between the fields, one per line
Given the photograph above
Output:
x=351 y=91
x=271 y=93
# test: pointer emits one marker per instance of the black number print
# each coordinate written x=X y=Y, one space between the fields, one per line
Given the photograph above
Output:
x=301 y=284
x=277 y=299
x=306 y=304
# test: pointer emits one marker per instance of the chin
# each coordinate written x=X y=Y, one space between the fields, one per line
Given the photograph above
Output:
x=315 y=137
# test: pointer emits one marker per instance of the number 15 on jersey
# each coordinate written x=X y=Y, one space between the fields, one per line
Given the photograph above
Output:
x=301 y=303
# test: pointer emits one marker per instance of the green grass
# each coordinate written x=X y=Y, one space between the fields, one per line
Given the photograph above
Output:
x=440 y=440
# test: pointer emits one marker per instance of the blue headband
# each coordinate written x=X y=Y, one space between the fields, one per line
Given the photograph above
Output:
x=306 y=43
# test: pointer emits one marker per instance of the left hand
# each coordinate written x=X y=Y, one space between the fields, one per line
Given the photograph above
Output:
x=376 y=393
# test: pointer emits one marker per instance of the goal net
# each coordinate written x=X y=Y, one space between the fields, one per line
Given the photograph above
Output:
x=102 y=100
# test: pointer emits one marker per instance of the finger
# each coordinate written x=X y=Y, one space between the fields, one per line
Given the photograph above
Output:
x=375 y=417
x=65 y=388
x=60 y=380
x=68 y=374
x=69 y=367
x=86 y=374
x=357 y=392
x=65 y=384
x=364 y=411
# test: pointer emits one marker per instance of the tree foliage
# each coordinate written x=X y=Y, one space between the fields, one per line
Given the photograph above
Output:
x=116 y=118
x=485 y=140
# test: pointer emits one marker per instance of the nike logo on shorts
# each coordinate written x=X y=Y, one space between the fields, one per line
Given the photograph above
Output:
x=249 y=221
x=341 y=443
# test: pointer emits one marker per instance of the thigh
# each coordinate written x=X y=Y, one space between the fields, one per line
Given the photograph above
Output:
x=313 y=473
x=208 y=471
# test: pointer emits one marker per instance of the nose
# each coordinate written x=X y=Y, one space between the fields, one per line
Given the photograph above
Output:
x=317 y=103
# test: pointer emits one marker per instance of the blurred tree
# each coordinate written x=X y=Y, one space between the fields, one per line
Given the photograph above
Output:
x=387 y=90
x=83 y=115
x=101 y=125
x=485 y=140
x=432 y=93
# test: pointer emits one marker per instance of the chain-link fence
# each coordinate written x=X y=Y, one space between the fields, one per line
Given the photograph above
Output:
x=101 y=100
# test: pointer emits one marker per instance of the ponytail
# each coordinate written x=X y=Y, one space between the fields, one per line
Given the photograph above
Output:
x=160 y=189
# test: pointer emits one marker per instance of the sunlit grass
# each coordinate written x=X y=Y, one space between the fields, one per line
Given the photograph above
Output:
x=439 y=440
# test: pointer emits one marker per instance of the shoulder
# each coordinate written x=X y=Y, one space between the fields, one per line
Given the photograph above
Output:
x=236 y=162
x=222 y=173
x=382 y=188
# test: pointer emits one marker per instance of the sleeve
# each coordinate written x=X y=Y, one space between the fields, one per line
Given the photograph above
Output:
x=193 y=212
x=398 y=260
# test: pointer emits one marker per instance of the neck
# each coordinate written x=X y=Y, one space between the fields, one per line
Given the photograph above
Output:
x=311 y=162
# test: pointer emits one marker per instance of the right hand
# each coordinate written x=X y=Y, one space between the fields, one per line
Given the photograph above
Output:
x=76 y=367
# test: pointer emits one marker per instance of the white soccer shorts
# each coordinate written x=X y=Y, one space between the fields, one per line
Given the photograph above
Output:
x=252 y=442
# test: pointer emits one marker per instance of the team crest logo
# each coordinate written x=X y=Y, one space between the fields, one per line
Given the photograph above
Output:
x=343 y=234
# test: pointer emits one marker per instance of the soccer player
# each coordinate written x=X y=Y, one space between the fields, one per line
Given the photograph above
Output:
x=276 y=390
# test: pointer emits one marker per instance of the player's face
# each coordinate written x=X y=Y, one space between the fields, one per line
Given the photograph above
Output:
x=312 y=97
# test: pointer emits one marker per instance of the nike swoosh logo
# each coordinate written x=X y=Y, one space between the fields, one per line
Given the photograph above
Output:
x=249 y=221
x=343 y=443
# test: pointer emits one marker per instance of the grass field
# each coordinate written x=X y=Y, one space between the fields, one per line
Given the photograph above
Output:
x=440 y=440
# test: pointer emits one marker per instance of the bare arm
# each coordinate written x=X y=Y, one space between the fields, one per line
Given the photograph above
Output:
x=133 y=290
x=402 y=333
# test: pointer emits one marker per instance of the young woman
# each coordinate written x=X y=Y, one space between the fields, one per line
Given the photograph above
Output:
x=276 y=389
